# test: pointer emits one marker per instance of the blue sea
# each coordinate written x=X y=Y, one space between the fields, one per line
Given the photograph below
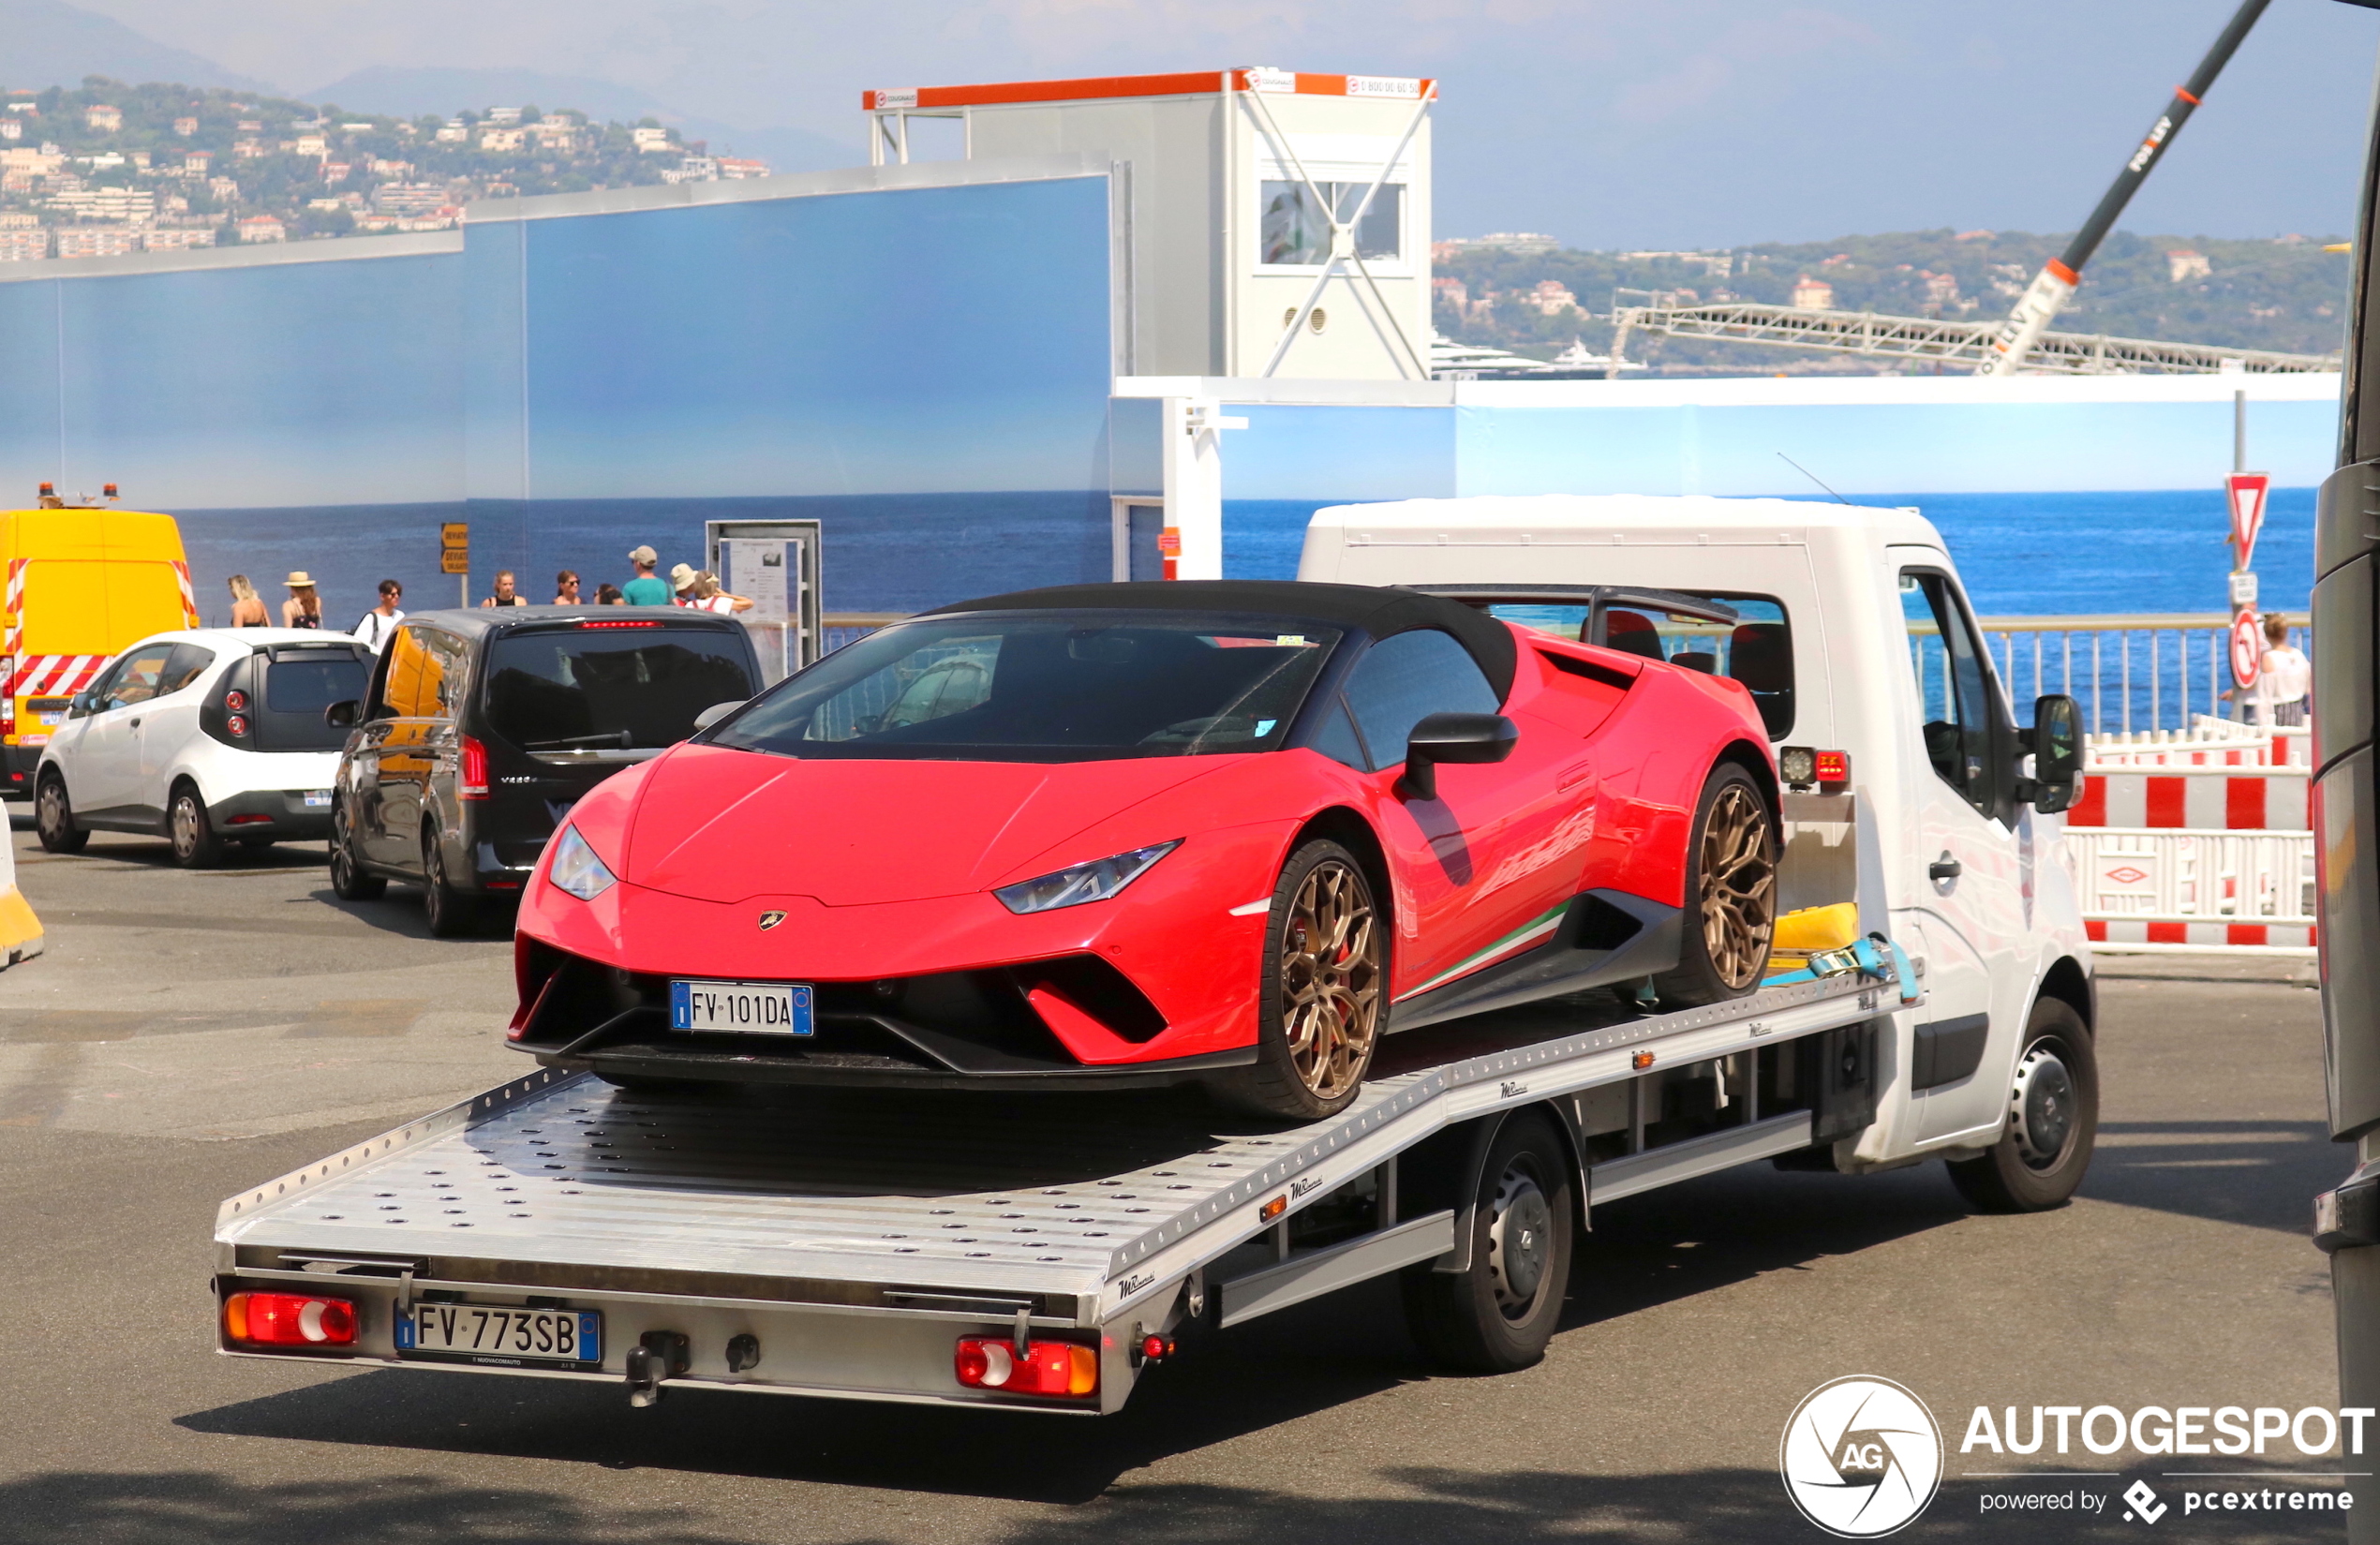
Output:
x=2020 y=553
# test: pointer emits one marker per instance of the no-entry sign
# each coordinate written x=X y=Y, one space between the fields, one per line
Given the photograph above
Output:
x=2246 y=649
x=2246 y=491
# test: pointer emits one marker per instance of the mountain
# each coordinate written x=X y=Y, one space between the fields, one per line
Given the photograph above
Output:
x=409 y=92
x=44 y=43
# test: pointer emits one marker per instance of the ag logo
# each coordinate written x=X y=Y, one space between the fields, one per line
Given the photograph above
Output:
x=770 y=919
x=1861 y=1456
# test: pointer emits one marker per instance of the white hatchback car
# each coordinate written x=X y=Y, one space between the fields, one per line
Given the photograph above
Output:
x=202 y=737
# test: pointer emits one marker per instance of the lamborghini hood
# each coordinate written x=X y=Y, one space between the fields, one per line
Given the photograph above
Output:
x=726 y=826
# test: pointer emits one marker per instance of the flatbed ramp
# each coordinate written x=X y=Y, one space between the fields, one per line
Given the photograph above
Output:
x=842 y=1239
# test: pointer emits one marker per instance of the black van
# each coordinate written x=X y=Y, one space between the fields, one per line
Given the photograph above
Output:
x=479 y=729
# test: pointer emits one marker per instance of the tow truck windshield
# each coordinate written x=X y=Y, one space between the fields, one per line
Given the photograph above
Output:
x=1044 y=687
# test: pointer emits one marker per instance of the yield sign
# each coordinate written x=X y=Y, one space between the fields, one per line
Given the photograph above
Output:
x=2247 y=491
x=2246 y=649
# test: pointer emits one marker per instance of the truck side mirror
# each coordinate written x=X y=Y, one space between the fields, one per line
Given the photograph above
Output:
x=1454 y=738
x=716 y=712
x=2057 y=743
x=341 y=716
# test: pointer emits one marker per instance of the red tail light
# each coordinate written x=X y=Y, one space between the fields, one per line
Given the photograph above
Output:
x=1834 y=767
x=288 y=1319
x=236 y=724
x=1057 y=1368
x=236 y=701
x=473 y=783
x=7 y=694
x=636 y=623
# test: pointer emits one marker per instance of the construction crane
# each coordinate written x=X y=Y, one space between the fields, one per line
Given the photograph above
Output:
x=2055 y=284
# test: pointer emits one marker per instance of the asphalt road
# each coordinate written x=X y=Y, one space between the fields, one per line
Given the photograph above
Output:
x=188 y=1035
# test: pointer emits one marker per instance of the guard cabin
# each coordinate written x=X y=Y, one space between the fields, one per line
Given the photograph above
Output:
x=1269 y=222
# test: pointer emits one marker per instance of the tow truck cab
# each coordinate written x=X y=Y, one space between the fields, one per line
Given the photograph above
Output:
x=1853 y=632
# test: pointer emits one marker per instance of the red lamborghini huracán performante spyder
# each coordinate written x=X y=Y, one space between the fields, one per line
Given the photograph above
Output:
x=1101 y=835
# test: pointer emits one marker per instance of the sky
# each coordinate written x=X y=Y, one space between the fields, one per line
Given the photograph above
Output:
x=1605 y=122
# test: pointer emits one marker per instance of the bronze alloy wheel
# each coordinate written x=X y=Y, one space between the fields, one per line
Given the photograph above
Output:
x=1739 y=898
x=1331 y=980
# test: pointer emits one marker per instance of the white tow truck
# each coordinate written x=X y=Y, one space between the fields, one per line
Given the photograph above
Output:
x=1047 y=1252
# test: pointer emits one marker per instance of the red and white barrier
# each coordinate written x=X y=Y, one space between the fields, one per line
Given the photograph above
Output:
x=2203 y=889
x=2209 y=798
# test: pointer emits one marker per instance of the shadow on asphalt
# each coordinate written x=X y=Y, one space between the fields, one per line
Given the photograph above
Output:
x=1437 y=1505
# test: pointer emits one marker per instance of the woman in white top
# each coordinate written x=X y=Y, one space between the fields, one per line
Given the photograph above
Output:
x=709 y=597
x=2284 y=678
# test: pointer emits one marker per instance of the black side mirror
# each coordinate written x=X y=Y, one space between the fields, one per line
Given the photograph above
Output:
x=1454 y=738
x=2057 y=743
x=341 y=716
x=716 y=712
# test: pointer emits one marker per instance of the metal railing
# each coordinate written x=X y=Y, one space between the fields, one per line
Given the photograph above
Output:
x=2129 y=672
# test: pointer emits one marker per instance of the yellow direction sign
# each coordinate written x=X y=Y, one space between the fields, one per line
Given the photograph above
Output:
x=455 y=534
x=454 y=560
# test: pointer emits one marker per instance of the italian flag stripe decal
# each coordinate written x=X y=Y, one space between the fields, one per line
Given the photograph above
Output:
x=1519 y=938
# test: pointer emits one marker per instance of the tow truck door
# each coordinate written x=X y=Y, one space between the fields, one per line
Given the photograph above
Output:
x=1968 y=889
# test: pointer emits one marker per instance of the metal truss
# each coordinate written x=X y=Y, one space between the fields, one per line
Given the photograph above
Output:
x=1959 y=342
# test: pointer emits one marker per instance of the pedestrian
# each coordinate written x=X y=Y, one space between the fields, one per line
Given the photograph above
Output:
x=647 y=588
x=507 y=591
x=566 y=587
x=681 y=584
x=608 y=595
x=381 y=620
x=2284 y=678
x=247 y=609
x=303 y=609
x=709 y=597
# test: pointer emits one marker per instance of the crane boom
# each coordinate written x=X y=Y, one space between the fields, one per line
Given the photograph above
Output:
x=2055 y=284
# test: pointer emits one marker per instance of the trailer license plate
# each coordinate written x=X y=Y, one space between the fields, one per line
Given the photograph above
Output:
x=741 y=1008
x=486 y=1332
x=317 y=799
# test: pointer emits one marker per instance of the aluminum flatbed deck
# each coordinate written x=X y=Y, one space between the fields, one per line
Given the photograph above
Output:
x=848 y=1237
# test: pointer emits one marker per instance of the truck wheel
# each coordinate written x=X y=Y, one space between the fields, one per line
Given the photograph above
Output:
x=349 y=882
x=1730 y=894
x=197 y=845
x=1319 y=1009
x=1498 y=1316
x=451 y=914
x=2053 y=1119
x=53 y=818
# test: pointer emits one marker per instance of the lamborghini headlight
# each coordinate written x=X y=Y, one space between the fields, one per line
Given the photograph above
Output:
x=577 y=870
x=1097 y=880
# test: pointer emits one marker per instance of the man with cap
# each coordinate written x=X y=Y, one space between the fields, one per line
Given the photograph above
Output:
x=647 y=588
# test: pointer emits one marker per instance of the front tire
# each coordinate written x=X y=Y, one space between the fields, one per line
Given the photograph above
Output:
x=197 y=845
x=1498 y=1317
x=349 y=882
x=53 y=818
x=1731 y=894
x=2053 y=1119
x=1323 y=990
x=451 y=914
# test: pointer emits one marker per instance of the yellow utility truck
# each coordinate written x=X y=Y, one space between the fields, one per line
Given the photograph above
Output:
x=82 y=582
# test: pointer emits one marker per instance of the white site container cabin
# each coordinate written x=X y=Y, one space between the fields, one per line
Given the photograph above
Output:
x=1848 y=614
x=1230 y=185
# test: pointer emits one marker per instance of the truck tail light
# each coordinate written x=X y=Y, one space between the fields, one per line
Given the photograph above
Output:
x=7 y=694
x=472 y=784
x=1056 y=1368
x=288 y=1319
x=1799 y=766
x=1833 y=767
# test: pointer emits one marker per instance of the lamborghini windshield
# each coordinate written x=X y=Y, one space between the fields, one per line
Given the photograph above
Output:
x=1044 y=687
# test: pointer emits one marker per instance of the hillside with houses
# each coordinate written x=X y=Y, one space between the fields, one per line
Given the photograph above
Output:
x=112 y=168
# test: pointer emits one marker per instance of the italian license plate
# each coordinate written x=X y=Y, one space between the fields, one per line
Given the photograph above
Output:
x=741 y=1008
x=317 y=799
x=493 y=1333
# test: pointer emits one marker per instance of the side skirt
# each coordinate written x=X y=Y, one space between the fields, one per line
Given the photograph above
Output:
x=1605 y=936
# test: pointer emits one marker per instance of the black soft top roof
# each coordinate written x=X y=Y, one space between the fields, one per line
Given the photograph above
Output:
x=1379 y=610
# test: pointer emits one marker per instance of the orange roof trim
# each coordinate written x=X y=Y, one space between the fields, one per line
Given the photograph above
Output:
x=1189 y=84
